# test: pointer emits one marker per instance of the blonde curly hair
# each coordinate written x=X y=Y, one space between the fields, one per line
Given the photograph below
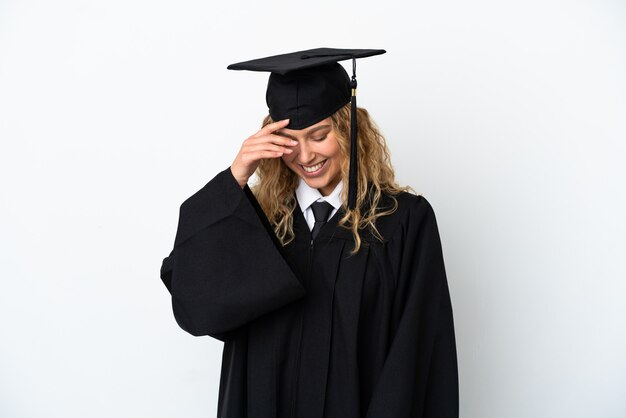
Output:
x=276 y=183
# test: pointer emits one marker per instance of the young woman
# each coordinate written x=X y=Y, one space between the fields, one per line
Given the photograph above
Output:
x=325 y=310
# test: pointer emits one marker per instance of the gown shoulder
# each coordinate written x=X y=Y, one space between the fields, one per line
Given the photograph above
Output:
x=411 y=209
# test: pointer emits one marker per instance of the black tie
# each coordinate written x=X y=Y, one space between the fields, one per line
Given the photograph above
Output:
x=321 y=210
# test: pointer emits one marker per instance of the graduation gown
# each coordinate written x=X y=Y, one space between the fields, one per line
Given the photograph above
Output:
x=309 y=331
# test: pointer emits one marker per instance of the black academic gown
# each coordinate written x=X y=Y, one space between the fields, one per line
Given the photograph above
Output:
x=308 y=331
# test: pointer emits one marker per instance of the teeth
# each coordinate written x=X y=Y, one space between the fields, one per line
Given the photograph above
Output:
x=314 y=168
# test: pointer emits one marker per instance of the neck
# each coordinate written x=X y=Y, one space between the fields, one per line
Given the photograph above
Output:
x=328 y=189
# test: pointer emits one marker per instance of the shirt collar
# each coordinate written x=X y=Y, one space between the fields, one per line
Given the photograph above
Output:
x=306 y=195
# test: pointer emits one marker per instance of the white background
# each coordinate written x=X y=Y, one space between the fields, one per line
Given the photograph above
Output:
x=509 y=116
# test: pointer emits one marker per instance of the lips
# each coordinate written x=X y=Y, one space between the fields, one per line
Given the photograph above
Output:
x=313 y=168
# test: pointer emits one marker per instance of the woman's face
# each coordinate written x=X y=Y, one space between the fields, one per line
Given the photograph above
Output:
x=317 y=145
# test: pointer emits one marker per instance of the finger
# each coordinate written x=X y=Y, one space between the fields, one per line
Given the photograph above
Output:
x=279 y=139
x=268 y=147
x=254 y=156
x=272 y=139
x=271 y=128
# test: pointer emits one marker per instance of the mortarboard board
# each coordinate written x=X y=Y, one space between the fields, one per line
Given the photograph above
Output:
x=309 y=86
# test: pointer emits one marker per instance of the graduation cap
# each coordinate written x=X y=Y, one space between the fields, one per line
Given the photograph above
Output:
x=309 y=86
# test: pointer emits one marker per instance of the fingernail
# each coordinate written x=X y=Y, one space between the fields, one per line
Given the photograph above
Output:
x=293 y=142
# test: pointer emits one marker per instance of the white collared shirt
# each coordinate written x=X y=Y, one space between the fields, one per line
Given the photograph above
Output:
x=306 y=195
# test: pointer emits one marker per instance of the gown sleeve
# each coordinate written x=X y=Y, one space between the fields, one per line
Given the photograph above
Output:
x=419 y=377
x=227 y=267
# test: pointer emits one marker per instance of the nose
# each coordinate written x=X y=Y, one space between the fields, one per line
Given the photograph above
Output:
x=306 y=155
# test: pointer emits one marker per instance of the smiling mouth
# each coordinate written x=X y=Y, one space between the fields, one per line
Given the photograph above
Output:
x=313 y=168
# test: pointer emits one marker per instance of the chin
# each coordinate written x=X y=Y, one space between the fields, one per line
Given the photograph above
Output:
x=317 y=183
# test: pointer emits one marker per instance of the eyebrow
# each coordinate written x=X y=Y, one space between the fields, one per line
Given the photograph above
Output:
x=312 y=130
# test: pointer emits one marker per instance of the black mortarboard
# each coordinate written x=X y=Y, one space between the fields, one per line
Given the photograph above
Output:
x=309 y=86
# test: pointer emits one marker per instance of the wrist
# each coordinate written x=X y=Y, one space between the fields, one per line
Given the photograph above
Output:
x=242 y=183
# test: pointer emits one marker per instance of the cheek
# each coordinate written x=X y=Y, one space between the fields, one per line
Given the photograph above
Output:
x=335 y=153
x=289 y=161
x=333 y=149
